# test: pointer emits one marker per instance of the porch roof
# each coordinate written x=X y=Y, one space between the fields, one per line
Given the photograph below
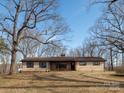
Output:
x=63 y=59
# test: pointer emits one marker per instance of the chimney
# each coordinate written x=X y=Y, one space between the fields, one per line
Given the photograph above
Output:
x=62 y=55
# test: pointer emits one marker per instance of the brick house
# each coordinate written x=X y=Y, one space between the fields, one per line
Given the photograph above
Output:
x=63 y=64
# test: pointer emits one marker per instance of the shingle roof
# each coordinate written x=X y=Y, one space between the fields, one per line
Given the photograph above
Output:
x=64 y=59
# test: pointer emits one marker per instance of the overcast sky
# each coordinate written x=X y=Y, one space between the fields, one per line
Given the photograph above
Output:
x=79 y=18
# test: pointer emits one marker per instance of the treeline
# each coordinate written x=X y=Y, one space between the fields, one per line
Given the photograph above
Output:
x=108 y=31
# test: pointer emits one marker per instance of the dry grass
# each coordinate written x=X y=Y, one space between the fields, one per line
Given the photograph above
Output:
x=54 y=82
x=108 y=75
x=120 y=70
x=63 y=90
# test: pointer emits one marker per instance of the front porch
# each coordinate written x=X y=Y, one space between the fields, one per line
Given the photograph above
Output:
x=62 y=66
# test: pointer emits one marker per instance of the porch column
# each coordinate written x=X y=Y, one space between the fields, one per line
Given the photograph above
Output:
x=47 y=66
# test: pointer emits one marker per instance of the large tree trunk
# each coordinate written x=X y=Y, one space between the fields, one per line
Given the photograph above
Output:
x=13 y=61
x=122 y=58
x=111 y=57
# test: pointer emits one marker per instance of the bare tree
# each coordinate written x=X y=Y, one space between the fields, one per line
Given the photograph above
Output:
x=109 y=28
x=109 y=31
x=4 y=62
x=3 y=45
x=108 y=3
x=89 y=48
x=27 y=46
x=23 y=15
x=53 y=34
x=4 y=56
x=35 y=49
x=54 y=51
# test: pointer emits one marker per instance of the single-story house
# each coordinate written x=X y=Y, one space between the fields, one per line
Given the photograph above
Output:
x=63 y=64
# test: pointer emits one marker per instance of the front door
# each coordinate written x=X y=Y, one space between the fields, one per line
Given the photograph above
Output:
x=72 y=66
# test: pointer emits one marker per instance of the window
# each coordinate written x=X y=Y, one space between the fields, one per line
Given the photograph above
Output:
x=96 y=63
x=42 y=64
x=30 y=64
x=82 y=63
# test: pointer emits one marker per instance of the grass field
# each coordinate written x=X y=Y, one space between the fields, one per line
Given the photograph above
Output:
x=62 y=82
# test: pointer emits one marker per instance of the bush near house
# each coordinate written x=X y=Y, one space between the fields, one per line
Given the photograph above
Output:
x=120 y=70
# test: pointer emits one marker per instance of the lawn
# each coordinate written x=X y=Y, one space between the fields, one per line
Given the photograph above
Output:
x=60 y=82
x=107 y=75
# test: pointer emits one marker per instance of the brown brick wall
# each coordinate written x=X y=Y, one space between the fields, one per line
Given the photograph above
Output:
x=90 y=67
x=35 y=68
